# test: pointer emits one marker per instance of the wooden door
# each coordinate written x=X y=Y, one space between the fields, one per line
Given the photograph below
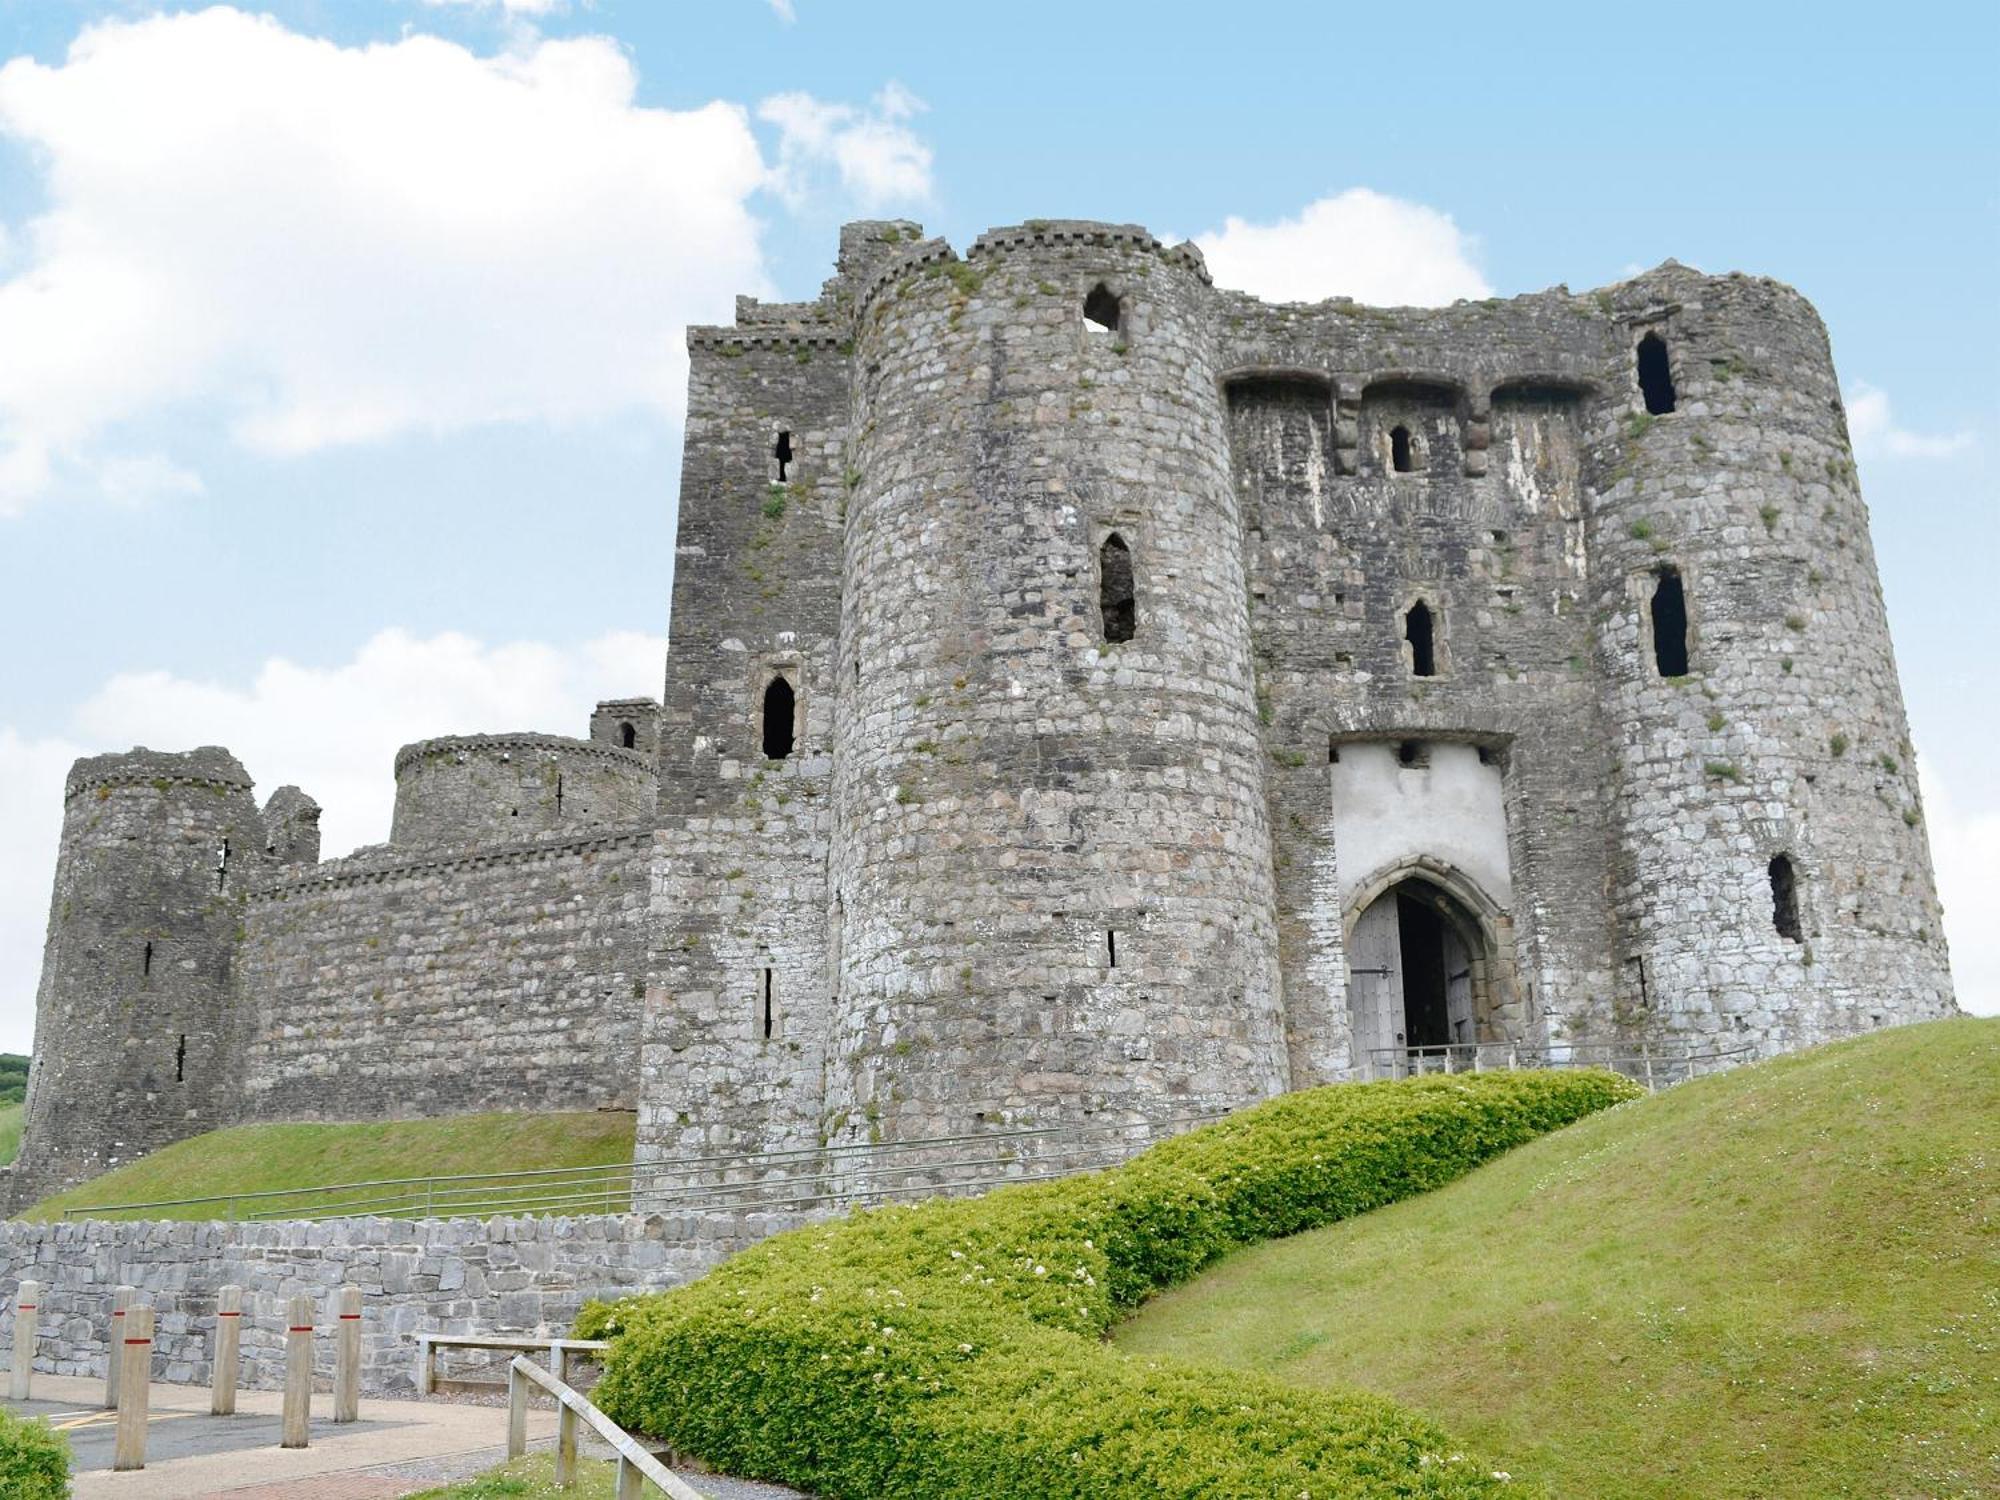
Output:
x=1458 y=987
x=1375 y=986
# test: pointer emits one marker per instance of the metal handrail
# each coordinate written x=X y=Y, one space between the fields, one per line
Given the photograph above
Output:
x=1678 y=1058
x=571 y=1408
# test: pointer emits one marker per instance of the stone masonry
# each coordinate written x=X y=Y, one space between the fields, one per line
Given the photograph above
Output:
x=500 y=1277
x=1094 y=695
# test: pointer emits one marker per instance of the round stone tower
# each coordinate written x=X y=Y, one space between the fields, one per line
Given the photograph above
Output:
x=132 y=1030
x=1051 y=866
x=1771 y=879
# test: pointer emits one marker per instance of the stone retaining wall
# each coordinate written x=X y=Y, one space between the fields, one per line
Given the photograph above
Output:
x=499 y=1276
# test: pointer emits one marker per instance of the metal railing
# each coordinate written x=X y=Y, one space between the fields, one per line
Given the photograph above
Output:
x=637 y=1469
x=772 y=1181
x=1655 y=1064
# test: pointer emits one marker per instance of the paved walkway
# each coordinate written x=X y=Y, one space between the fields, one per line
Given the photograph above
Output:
x=396 y=1448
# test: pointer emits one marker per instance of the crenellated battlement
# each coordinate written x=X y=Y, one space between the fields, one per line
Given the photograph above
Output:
x=1094 y=694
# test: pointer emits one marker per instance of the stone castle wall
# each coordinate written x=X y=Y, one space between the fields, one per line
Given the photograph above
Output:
x=397 y=984
x=919 y=840
x=496 y=1277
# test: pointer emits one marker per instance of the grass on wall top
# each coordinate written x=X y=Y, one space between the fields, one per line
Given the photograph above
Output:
x=1783 y=1282
x=257 y=1158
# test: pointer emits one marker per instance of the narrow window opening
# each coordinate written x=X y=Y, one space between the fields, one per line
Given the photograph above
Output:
x=1111 y=947
x=1670 y=624
x=146 y=963
x=783 y=454
x=1114 y=589
x=1785 y=898
x=780 y=705
x=770 y=1010
x=1101 y=311
x=1410 y=753
x=1399 y=449
x=1656 y=379
x=222 y=865
x=1417 y=630
x=559 y=793
x=1332 y=754
x=628 y=736
x=180 y=1060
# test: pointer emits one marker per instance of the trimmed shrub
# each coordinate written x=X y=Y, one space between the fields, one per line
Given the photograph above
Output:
x=953 y=1349
x=34 y=1459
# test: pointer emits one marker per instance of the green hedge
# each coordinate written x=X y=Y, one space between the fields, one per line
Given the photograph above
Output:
x=952 y=1350
x=34 y=1459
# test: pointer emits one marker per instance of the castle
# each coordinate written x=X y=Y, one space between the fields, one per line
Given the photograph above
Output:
x=1092 y=693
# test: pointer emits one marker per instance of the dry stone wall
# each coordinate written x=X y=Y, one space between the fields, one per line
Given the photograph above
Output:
x=495 y=1277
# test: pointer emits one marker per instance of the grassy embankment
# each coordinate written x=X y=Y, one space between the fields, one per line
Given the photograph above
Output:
x=1782 y=1281
x=297 y=1158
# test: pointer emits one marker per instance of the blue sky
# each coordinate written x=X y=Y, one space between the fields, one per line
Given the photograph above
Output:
x=339 y=401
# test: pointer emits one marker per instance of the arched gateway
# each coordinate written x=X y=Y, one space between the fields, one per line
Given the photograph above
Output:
x=1423 y=981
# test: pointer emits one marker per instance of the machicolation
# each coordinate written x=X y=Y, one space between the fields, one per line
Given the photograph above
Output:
x=1093 y=694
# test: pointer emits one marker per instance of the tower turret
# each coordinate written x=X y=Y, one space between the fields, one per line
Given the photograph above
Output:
x=1770 y=876
x=133 y=1045
x=1052 y=861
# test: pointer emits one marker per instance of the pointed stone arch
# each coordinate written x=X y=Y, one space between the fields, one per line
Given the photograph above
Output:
x=1480 y=924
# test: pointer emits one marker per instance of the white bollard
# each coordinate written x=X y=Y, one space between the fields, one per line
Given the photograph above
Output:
x=347 y=1355
x=134 y=1394
x=228 y=1349
x=298 y=1372
x=114 y=1360
x=27 y=1305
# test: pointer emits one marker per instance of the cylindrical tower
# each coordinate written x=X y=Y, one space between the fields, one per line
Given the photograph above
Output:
x=133 y=1048
x=1771 y=879
x=1051 y=869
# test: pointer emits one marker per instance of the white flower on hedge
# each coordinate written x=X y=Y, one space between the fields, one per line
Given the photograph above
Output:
x=965 y=1348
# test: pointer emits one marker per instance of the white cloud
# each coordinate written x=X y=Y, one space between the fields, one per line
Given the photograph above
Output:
x=1358 y=244
x=332 y=730
x=320 y=244
x=873 y=153
x=1872 y=426
x=784 y=11
x=1965 y=849
x=510 y=7
x=31 y=783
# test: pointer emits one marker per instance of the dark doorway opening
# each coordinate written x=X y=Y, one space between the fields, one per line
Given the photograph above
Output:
x=1417 y=631
x=783 y=454
x=1656 y=377
x=1101 y=310
x=1670 y=624
x=1427 y=1016
x=1399 y=450
x=1785 y=899
x=780 y=704
x=1114 y=590
x=628 y=736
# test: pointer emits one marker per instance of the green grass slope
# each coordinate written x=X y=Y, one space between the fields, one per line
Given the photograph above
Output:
x=10 y=1132
x=1782 y=1281
x=262 y=1158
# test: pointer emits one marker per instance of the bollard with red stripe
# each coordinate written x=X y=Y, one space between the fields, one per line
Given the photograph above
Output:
x=228 y=1347
x=27 y=1309
x=298 y=1372
x=347 y=1355
x=114 y=1361
x=134 y=1387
